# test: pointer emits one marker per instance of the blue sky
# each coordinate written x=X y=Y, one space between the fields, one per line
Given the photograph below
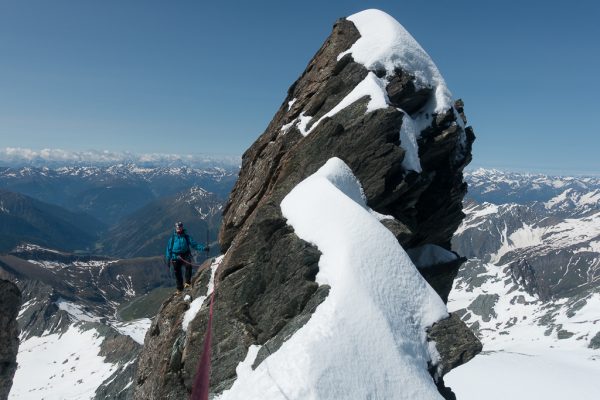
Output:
x=200 y=77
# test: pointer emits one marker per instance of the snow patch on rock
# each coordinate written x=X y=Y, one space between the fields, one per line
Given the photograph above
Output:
x=384 y=43
x=196 y=305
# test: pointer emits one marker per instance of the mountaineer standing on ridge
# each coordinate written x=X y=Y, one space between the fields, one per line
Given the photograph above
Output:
x=179 y=252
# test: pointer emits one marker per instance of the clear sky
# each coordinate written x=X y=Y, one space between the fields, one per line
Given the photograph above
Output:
x=207 y=77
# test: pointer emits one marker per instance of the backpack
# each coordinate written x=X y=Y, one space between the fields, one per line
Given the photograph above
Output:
x=187 y=241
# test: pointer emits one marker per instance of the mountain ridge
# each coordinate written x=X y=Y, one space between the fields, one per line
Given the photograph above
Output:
x=25 y=219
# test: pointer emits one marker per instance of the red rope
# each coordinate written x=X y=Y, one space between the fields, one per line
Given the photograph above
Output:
x=201 y=384
x=187 y=262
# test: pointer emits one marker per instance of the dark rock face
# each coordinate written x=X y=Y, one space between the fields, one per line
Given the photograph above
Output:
x=525 y=275
x=10 y=302
x=266 y=282
x=261 y=161
x=122 y=350
x=595 y=342
x=442 y=275
x=455 y=342
x=483 y=305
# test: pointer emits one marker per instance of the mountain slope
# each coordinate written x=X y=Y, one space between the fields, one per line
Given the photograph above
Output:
x=531 y=289
x=72 y=340
x=24 y=219
x=145 y=232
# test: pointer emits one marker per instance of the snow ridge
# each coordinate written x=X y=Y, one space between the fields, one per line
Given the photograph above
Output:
x=367 y=339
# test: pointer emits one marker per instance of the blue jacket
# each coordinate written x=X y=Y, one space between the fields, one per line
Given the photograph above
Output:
x=178 y=246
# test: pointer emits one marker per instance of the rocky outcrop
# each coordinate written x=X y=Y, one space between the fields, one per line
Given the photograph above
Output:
x=442 y=276
x=595 y=342
x=525 y=275
x=456 y=344
x=266 y=282
x=10 y=302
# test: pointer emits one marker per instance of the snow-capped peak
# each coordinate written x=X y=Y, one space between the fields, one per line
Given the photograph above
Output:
x=385 y=43
x=573 y=199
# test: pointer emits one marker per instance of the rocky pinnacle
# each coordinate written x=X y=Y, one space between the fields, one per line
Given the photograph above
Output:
x=267 y=289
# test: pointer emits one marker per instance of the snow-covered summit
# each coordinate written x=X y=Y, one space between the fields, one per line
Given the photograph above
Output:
x=386 y=44
x=384 y=48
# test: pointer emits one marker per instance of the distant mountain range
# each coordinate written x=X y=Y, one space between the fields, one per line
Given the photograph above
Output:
x=498 y=187
x=121 y=210
x=533 y=274
x=56 y=158
x=110 y=193
x=145 y=232
x=533 y=243
x=24 y=219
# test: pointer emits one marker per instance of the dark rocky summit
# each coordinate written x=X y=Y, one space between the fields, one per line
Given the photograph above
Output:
x=267 y=287
x=10 y=302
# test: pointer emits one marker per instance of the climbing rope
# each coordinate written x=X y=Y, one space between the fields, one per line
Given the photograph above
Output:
x=201 y=385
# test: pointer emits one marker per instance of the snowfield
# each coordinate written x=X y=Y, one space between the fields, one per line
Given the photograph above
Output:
x=529 y=355
x=367 y=339
x=60 y=367
x=528 y=373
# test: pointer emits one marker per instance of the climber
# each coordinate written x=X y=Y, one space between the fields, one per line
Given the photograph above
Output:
x=179 y=252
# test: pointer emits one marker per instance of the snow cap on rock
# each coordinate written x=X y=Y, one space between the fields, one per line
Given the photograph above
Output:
x=385 y=44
